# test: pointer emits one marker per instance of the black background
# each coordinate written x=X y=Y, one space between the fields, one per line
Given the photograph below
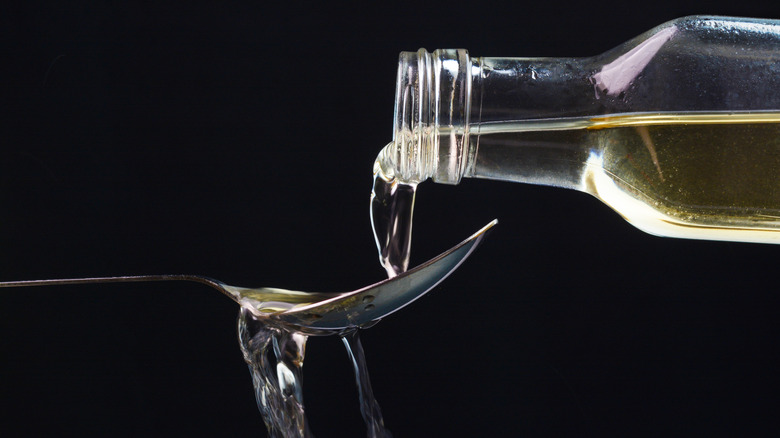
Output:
x=235 y=140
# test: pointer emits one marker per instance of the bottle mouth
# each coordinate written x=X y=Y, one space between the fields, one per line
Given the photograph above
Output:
x=432 y=106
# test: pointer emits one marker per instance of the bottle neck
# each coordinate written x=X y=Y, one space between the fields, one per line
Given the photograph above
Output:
x=445 y=100
x=432 y=115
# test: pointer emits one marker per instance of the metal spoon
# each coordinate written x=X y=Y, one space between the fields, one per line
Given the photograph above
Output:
x=318 y=313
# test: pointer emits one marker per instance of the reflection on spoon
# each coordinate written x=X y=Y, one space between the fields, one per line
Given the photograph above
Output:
x=318 y=313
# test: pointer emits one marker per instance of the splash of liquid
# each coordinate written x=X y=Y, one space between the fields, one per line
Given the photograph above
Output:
x=275 y=359
x=279 y=393
x=274 y=354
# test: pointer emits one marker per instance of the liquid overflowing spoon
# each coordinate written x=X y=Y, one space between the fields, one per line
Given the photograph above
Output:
x=274 y=324
x=318 y=313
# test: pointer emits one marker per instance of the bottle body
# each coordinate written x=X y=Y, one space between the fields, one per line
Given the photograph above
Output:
x=678 y=130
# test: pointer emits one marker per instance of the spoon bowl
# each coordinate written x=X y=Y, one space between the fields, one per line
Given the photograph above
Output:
x=319 y=313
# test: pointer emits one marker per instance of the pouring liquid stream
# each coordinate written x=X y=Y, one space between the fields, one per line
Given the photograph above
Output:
x=275 y=354
x=392 y=207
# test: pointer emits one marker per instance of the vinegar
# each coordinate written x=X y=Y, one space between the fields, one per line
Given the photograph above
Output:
x=693 y=175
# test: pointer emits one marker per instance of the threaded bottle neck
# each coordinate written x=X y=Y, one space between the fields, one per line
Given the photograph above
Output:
x=432 y=106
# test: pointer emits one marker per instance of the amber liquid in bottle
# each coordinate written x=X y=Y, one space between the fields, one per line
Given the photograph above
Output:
x=691 y=175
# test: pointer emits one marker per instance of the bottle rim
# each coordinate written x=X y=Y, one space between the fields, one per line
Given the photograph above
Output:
x=431 y=120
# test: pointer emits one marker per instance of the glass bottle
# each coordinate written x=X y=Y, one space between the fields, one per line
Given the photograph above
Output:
x=678 y=130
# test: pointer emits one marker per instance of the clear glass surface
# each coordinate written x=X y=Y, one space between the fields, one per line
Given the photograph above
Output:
x=678 y=129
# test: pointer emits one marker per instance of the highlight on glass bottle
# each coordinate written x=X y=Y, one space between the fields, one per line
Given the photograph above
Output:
x=678 y=130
